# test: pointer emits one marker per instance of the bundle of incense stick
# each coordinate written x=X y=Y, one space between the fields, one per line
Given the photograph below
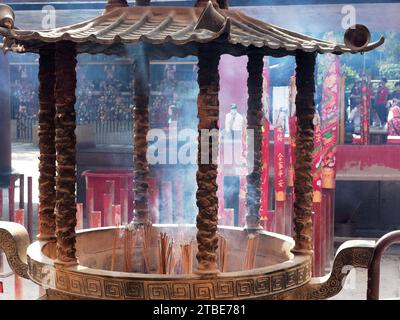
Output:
x=223 y=253
x=114 y=247
x=166 y=261
x=187 y=258
x=145 y=234
x=251 y=248
x=129 y=247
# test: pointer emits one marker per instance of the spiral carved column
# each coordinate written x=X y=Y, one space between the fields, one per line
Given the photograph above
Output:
x=207 y=200
x=254 y=124
x=141 y=127
x=65 y=123
x=303 y=189
x=46 y=133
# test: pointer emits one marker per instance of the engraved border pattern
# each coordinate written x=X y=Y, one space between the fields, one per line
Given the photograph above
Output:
x=241 y=287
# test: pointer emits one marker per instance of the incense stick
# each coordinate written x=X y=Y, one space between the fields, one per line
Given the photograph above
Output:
x=186 y=258
x=114 y=248
x=223 y=253
x=146 y=244
x=129 y=247
x=251 y=248
x=166 y=257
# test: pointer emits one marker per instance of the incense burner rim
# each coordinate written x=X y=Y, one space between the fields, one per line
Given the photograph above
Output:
x=84 y=282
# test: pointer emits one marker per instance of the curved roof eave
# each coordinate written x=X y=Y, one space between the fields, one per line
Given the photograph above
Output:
x=179 y=26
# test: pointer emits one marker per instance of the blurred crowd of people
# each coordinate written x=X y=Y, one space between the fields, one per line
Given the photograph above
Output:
x=108 y=96
x=103 y=94
x=170 y=98
x=24 y=96
x=103 y=100
x=384 y=106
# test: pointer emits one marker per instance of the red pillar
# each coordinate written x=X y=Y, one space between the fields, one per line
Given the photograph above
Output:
x=21 y=178
x=18 y=287
x=116 y=215
x=270 y=224
x=110 y=189
x=95 y=221
x=79 y=216
x=107 y=208
x=11 y=196
x=279 y=217
x=20 y=216
x=124 y=205
x=280 y=177
x=89 y=205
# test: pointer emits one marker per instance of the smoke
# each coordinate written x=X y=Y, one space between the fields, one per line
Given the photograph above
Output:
x=182 y=90
x=233 y=85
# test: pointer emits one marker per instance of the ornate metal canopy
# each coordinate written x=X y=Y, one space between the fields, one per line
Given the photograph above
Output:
x=177 y=30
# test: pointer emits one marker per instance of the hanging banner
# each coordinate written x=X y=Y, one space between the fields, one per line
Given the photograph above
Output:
x=342 y=107
x=292 y=129
x=330 y=120
x=365 y=110
x=292 y=146
x=265 y=144
x=279 y=164
x=317 y=160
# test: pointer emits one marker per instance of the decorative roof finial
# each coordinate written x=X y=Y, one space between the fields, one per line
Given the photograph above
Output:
x=211 y=19
x=204 y=3
x=7 y=16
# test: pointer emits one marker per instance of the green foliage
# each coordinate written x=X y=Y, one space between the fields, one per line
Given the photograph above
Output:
x=391 y=48
x=390 y=70
x=351 y=76
x=389 y=64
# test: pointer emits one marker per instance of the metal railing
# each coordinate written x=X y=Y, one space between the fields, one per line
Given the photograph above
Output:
x=118 y=132
x=374 y=270
x=24 y=126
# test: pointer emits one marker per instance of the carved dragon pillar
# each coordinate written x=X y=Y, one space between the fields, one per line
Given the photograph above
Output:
x=46 y=133
x=207 y=200
x=254 y=125
x=303 y=189
x=65 y=124
x=140 y=130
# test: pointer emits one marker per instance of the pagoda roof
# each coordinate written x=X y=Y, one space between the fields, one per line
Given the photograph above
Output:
x=176 y=27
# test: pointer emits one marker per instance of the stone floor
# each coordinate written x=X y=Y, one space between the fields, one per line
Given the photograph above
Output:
x=15 y=287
